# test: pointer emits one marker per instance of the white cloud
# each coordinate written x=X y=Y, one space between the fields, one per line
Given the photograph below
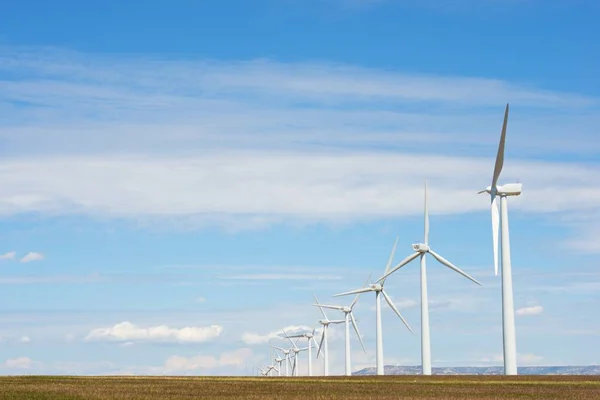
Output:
x=32 y=256
x=533 y=310
x=256 y=338
x=334 y=187
x=290 y=136
x=25 y=339
x=200 y=299
x=128 y=332
x=20 y=363
x=237 y=358
x=8 y=256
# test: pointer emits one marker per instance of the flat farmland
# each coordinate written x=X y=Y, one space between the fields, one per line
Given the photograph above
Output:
x=363 y=387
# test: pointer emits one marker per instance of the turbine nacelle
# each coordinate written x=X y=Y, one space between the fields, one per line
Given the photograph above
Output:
x=421 y=248
x=376 y=287
x=510 y=189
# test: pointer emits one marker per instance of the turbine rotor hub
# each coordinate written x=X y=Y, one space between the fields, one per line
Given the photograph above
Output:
x=421 y=247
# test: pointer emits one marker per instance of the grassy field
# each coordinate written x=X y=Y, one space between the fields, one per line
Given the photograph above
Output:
x=371 y=387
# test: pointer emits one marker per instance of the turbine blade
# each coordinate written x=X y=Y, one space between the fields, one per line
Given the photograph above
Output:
x=391 y=259
x=328 y=306
x=495 y=226
x=400 y=265
x=500 y=155
x=426 y=217
x=286 y=335
x=321 y=342
x=320 y=308
x=261 y=370
x=393 y=307
x=452 y=266
x=356 y=330
x=275 y=347
x=357 y=296
x=361 y=290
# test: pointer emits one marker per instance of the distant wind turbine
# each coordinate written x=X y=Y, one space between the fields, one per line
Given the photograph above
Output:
x=311 y=338
x=323 y=343
x=348 y=317
x=296 y=350
x=286 y=354
x=420 y=250
x=378 y=289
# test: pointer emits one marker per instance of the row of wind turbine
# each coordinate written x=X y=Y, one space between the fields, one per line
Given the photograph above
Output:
x=499 y=195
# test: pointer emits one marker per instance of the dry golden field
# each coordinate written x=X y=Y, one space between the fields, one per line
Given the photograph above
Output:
x=363 y=387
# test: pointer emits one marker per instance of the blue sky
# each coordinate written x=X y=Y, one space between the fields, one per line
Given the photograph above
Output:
x=179 y=176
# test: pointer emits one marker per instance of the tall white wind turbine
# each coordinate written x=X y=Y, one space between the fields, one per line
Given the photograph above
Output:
x=420 y=250
x=378 y=289
x=323 y=343
x=348 y=318
x=508 y=311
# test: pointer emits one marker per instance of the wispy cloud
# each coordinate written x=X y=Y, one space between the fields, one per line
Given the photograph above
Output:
x=533 y=310
x=256 y=338
x=8 y=256
x=21 y=363
x=128 y=332
x=251 y=143
x=32 y=256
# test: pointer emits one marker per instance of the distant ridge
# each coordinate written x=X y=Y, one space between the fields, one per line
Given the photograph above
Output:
x=416 y=370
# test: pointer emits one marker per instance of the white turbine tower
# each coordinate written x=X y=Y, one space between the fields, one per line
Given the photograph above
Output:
x=348 y=317
x=323 y=343
x=508 y=311
x=378 y=289
x=420 y=250
x=311 y=338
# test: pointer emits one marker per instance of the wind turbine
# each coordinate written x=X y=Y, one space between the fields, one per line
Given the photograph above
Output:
x=323 y=343
x=267 y=371
x=296 y=350
x=286 y=354
x=420 y=250
x=278 y=361
x=311 y=338
x=378 y=289
x=508 y=311
x=348 y=317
